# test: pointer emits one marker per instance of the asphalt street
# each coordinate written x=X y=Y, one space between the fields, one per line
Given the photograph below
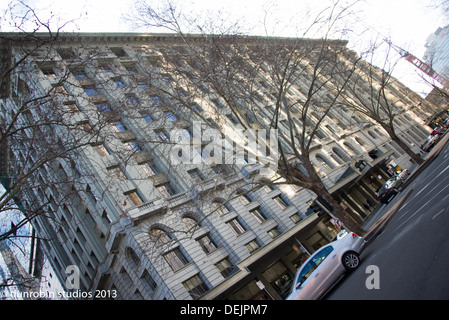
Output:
x=411 y=255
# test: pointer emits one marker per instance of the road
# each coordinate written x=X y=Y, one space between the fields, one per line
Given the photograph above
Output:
x=412 y=253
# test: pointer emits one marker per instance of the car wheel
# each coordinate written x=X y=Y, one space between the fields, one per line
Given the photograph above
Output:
x=351 y=260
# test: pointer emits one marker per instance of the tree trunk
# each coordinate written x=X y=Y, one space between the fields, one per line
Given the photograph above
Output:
x=315 y=184
x=337 y=212
x=417 y=158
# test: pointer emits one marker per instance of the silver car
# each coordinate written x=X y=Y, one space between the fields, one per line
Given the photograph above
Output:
x=326 y=266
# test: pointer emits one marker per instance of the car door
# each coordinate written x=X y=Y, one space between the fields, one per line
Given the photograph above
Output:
x=309 y=281
x=332 y=270
x=318 y=282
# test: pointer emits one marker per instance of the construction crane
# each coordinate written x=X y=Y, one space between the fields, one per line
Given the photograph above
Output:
x=424 y=67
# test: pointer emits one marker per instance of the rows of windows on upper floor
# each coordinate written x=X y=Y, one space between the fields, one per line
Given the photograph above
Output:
x=157 y=100
x=120 y=52
x=163 y=136
x=132 y=70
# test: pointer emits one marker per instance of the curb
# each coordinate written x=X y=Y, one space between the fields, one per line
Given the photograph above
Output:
x=383 y=221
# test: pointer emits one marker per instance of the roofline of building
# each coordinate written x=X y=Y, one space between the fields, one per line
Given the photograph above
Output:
x=74 y=37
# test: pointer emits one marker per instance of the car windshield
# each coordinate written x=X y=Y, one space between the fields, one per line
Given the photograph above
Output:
x=317 y=259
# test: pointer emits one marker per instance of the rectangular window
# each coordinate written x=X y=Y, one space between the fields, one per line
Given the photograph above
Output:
x=281 y=202
x=171 y=116
x=106 y=67
x=91 y=193
x=166 y=190
x=119 y=52
x=133 y=146
x=101 y=149
x=143 y=84
x=131 y=69
x=147 y=117
x=196 y=107
x=236 y=226
x=175 y=259
x=258 y=215
x=221 y=208
x=118 y=126
x=162 y=135
x=156 y=99
x=79 y=75
x=48 y=71
x=90 y=91
x=223 y=169
x=295 y=218
x=196 y=175
x=252 y=246
x=195 y=286
x=274 y=233
x=119 y=83
x=149 y=168
x=218 y=103
x=116 y=172
x=232 y=118
x=60 y=89
x=132 y=99
x=134 y=198
x=146 y=277
x=103 y=107
x=207 y=244
x=245 y=199
x=225 y=267
x=73 y=108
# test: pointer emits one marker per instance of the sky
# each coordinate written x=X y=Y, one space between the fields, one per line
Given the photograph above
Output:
x=407 y=23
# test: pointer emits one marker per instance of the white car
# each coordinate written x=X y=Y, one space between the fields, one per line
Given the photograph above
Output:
x=403 y=174
x=430 y=142
x=326 y=266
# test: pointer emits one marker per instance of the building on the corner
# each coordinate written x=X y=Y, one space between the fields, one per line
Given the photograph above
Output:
x=143 y=229
x=437 y=51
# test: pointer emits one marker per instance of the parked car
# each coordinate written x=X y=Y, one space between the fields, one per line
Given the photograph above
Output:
x=389 y=189
x=439 y=131
x=326 y=266
x=403 y=174
x=430 y=142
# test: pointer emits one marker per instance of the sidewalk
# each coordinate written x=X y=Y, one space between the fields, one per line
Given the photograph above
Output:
x=383 y=221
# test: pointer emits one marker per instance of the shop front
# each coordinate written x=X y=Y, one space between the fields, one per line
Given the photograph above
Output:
x=269 y=272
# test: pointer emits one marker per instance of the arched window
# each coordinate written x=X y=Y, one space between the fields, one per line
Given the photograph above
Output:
x=221 y=207
x=350 y=147
x=244 y=196
x=189 y=222
x=159 y=236
x=325 y=163
x=361 y=142
x=340 y=154
x=372 y=134
x=380 y=134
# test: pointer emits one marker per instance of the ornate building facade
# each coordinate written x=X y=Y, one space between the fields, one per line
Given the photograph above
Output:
x=134 y=223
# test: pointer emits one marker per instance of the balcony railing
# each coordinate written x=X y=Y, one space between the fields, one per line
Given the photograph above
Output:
x=146 y=210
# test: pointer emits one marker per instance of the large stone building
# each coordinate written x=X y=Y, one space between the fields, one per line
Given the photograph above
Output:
x=134 y=223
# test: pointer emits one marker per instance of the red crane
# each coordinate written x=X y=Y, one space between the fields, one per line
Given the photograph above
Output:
x=424 y=67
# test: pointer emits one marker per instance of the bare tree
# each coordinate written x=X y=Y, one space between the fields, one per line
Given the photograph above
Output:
x=376 y=84
x=234 y=69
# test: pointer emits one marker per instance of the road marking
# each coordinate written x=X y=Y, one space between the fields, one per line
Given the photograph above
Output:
x=437 y=214
x=436 y=177
x=418 y=211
